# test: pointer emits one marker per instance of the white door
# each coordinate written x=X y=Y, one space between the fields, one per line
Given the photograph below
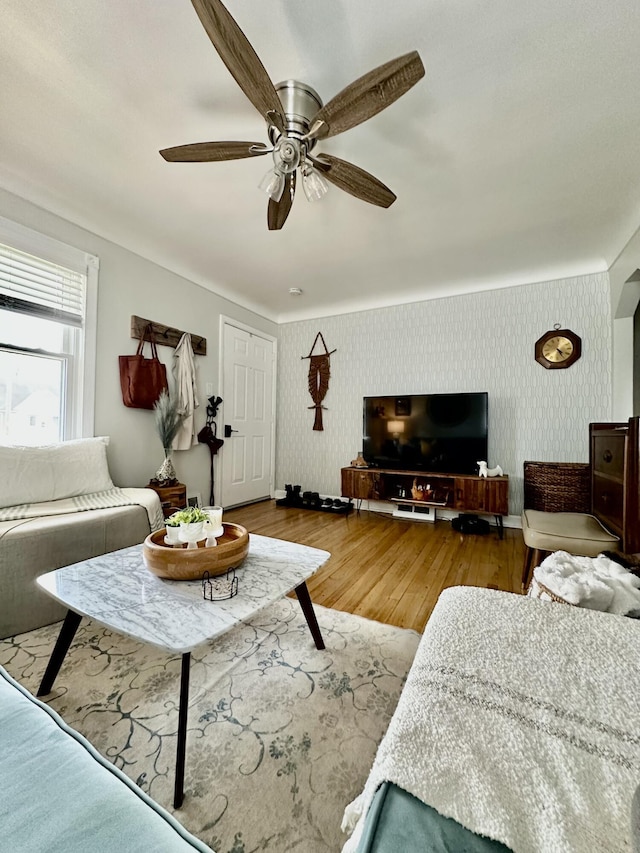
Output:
x=247 y=458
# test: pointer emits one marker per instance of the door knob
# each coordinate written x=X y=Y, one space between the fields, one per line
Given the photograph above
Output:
x=228 y=430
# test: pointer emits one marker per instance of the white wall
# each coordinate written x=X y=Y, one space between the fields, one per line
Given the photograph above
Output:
x=624 y=275
x=129 y=284
x=476 y=342
x=623 y=369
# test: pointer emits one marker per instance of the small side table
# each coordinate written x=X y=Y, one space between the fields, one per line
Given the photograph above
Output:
x=171 y=497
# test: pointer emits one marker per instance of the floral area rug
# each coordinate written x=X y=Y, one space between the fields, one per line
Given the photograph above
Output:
x=281 y=736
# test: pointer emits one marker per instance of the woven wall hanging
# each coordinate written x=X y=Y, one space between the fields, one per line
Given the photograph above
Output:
x=319 y=374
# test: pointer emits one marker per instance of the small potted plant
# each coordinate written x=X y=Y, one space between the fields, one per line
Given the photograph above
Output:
x=191 y=521
x=172 y=525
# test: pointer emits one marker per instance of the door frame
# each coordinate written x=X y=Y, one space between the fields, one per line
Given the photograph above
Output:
x=225 y=320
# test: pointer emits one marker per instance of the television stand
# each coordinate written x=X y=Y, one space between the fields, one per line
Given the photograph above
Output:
x=462 y=492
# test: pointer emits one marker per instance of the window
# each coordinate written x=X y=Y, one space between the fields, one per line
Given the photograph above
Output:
x=48 y=295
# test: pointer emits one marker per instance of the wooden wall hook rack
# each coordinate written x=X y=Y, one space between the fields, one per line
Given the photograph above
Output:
x=166 y=336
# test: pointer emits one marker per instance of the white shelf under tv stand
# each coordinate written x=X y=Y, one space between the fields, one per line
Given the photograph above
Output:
x=415 y=510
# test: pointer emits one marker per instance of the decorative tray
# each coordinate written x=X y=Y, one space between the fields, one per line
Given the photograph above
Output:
x=177 y=562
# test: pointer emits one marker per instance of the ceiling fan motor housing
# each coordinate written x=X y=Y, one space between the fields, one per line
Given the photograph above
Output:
x=300 y=103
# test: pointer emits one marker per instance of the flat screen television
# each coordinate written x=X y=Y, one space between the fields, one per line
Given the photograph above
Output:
x=445 y=433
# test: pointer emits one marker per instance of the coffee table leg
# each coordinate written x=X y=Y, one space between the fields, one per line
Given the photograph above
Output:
x=307 y=608
x=65 y=638
x=178 y=793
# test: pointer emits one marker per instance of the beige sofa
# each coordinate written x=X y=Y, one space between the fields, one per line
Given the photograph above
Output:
x=58 y=506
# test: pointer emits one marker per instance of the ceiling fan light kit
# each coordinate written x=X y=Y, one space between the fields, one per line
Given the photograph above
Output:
x=297 y=119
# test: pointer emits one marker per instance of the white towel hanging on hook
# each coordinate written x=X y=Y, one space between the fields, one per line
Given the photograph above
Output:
x=184 y=372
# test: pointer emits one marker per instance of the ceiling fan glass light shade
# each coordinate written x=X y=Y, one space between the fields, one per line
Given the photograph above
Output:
x=314 y=185
x=273 y=184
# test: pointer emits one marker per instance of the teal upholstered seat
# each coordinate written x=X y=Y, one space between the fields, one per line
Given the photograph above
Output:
x=60 y=795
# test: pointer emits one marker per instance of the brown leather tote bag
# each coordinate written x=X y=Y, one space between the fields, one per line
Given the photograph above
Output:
x=142 y=380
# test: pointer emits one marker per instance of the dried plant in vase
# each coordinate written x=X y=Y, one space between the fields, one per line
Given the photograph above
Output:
x=168 y=421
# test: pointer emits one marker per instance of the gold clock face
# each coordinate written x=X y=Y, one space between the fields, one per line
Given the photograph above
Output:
x=557 y=349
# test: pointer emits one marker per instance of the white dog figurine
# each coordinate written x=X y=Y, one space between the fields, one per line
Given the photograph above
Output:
x=489 y=472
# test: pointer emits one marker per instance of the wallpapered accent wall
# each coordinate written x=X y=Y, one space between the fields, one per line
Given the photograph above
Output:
x=475 y=342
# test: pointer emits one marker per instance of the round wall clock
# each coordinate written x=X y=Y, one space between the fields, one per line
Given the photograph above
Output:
x=558 y=348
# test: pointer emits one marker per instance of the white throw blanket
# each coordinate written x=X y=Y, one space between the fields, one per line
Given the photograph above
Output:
x=96 y=500
x=521 y=721
x=595 y=582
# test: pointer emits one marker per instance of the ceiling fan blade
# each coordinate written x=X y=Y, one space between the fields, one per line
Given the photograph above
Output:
x=240 y=58
x=354 y=180
x=202 y=152
x=367 y=96
x=278 y=211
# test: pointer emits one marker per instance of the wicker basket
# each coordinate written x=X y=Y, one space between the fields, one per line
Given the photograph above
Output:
x=421 y=490
x=537 y=590
x=557 y=486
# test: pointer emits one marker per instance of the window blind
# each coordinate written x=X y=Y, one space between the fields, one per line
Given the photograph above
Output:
x=41 y=288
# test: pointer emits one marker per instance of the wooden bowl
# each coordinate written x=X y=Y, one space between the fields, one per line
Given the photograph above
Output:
x=180 y=563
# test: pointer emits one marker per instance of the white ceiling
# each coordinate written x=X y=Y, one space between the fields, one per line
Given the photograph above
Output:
x=515 y=159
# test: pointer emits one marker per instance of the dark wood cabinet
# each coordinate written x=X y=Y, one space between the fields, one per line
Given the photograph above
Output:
x=614 y=458
x=463 y=492
x=482 y=494
x=361 y=484
x=171 y=497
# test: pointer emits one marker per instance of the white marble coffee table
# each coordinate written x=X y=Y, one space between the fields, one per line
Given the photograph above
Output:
x=118 y=591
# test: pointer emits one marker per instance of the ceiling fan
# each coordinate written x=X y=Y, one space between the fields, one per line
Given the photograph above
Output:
x=297 y=120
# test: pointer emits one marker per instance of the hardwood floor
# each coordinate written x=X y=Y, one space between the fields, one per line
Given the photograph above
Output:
x=385 y=568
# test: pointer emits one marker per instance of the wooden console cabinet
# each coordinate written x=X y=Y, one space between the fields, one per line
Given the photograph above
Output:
x=171 y=497
x=481 y=494
x=462 y=492
x=361 y=483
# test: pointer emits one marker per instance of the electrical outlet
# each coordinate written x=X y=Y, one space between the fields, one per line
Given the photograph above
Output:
x=208 y=389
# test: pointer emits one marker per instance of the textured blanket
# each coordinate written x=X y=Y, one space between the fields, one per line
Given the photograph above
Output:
x=520 y=719
x=97 y=500
x=594 y=582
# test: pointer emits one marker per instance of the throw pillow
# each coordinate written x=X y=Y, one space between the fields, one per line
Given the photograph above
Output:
x=53 y=472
